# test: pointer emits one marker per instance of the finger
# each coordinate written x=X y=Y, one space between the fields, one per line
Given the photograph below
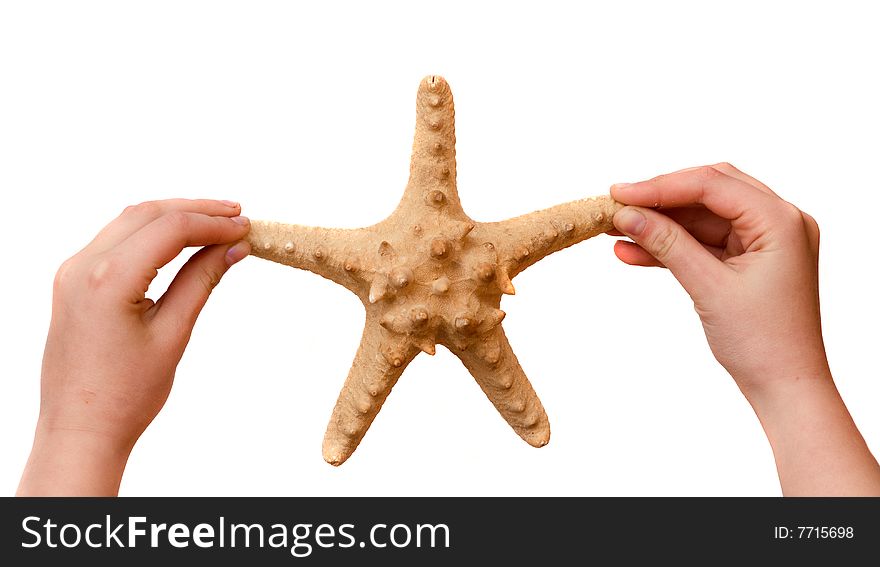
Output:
x=614 y=233
x=812 y=228
x=135 y=217
x=687 y=169
x=702 y=224
x=634 y=255
x=732 y=171
x=184 y=299
x=670 y=244
x=725 y=196
x=728 y=169
x=163 y=239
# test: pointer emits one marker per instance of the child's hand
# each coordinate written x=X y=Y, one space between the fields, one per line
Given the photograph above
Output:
x=111 y=353
x=749 y=261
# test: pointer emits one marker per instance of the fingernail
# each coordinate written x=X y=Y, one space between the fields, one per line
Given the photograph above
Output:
x=232 y=204
x=620 y=185
x=241 y=220
x=237 y=252
x=630 y=221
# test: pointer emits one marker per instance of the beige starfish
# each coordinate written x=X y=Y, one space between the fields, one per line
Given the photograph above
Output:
x=429 y=274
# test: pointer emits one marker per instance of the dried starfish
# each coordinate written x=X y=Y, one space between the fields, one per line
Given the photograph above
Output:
x=429 y=274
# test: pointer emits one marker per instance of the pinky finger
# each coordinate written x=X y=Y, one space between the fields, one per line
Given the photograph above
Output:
x=634 y=255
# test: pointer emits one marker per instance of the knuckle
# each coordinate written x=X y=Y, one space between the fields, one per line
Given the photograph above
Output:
x=662 y=242
x=811 y=223
x=177 y=221
x=706 y=176
x=708 y=172
x=725 y=167
x=145 y=208
x=791 y=214
x=64 y=273
x=101 y=273
x=209 y=278
x=812 y=227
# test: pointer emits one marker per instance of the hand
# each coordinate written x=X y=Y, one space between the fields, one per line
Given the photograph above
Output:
x=111 y=353
x=749 y=261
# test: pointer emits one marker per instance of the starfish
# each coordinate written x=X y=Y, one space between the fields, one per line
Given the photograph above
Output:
x=429 y=274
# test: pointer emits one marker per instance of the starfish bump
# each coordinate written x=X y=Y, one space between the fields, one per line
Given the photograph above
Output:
x=428 y=275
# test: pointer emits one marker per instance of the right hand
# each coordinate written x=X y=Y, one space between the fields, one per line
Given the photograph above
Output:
x=748 y=259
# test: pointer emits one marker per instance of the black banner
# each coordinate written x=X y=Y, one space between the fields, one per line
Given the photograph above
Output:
x=435 y=531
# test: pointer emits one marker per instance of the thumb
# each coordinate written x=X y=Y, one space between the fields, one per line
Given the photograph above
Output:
x=189 y=291
x=693 y=266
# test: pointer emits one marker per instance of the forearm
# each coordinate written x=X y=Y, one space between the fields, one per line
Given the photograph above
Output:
x=817 y=446
x=73 y=463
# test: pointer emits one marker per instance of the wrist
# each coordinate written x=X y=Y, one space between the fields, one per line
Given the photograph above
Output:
x=73 y=462
x=781 y=398
x=816 y=445
x=766 y=387
x=784 y=396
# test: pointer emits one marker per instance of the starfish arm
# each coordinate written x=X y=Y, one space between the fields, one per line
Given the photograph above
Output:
x=523 y=240
x=379 y=362
x=328 y=252
x=494 y=366
x=432 y=166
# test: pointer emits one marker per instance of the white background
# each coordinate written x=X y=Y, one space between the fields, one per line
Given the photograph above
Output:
x=306 y=115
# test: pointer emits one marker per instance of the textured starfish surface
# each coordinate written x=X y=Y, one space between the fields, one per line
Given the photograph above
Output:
x=429 y=274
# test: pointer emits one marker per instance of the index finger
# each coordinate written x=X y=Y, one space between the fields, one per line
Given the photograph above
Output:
x=163 y=239
x=731 y=170
x=136 y=217
x=726 y=196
